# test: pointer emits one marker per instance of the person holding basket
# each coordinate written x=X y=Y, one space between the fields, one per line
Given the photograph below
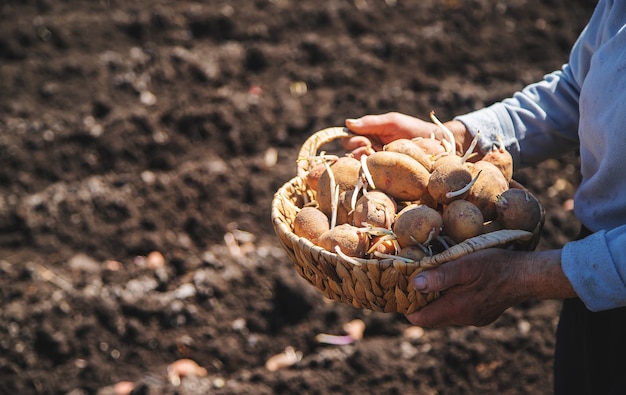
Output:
x=580 y=107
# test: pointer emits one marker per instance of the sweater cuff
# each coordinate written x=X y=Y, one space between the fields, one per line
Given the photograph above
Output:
x=491 y=122
x=597 y=283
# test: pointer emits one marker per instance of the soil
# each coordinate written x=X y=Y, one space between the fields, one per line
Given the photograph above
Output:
x=133 y=127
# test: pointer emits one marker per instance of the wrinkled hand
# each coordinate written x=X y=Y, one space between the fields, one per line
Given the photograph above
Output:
x=374 y=131
x=478 y=288
x=378 y=130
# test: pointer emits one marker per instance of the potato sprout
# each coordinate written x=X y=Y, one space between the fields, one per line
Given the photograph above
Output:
x=334 y=196
x=447 y=133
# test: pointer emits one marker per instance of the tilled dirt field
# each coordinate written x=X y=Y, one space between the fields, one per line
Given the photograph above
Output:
x=133 y=127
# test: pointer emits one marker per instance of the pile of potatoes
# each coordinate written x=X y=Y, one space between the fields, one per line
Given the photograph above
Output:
x=412 y=199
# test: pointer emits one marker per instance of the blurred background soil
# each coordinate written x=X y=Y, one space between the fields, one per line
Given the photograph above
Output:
x=129 y=128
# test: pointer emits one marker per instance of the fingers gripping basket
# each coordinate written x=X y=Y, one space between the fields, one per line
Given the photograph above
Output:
x=383 y=285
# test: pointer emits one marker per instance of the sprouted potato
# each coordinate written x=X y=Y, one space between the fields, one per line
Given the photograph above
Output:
x=408 y=147
x=518 y=209
x=462 y=220
x=399 y=175
x=314 y=174
x=485 y=191
x=417 y=224
x=348 y=238
x=310 y=223
x=343 y=175
x=502 y=159
x=412 y=252
x=375 y=208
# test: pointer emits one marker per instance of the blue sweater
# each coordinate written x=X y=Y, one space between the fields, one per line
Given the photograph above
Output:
x=582 y=106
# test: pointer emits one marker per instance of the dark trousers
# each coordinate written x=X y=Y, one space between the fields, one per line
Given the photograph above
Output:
x=590 y=356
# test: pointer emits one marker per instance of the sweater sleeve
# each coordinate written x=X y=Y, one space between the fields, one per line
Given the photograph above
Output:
x=541 y=121
x=600 y=282
x=536 y=123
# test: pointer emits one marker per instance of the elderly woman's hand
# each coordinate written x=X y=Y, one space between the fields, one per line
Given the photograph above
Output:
x=479 y=287
x=377 y=130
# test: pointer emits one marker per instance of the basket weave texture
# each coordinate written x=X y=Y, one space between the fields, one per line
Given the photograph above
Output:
x=383 y=285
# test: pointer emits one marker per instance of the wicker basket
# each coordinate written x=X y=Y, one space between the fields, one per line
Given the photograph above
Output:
x=379 y=285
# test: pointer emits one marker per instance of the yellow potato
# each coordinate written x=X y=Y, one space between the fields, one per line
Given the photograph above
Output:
x=408 y=147
x=485 y=191
x=518 y=209
x=462 y=220
x=310 y=223
x=350 y=240
x=398 y=175
x=376 y=208
x=502 y=159
x=430 y=145
x=314 y=174
x=412 y=252
x=345 y=172
x=449 y=176
x=344 y=207
x=417 y=223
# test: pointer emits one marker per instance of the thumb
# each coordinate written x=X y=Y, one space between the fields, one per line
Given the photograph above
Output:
x=367 y=124
x=390 y=126
x=437 y=279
